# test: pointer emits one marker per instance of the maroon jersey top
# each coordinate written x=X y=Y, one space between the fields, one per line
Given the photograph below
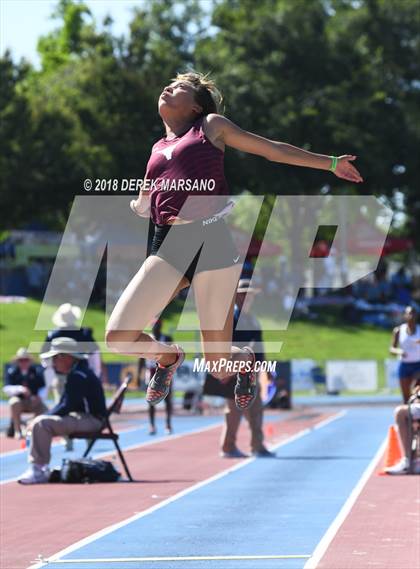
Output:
x=186 y=177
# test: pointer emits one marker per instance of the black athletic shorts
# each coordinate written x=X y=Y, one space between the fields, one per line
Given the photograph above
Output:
x=194 y=247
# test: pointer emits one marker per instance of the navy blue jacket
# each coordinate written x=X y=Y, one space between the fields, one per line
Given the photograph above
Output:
x=83 y=393
x=33 y=380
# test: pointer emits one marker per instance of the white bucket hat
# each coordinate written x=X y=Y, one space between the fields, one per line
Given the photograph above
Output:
x=66 y=315
x=22 y=354
x=64 y=345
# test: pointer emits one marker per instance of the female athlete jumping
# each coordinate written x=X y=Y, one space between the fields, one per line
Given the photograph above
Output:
x=185 y=194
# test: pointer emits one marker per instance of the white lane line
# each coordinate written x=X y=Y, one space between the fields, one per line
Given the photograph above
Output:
x=103 y=532
x=191 y=558
x=308 y=430
x=331 y=532
x=330 y=420
x=137 y=445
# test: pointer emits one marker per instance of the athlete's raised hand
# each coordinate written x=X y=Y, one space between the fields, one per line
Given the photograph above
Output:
x=346 y=170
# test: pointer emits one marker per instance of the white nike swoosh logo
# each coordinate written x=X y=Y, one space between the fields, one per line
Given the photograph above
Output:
x=237 y=259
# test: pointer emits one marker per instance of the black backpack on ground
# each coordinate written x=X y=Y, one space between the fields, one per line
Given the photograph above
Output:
x=87 y=470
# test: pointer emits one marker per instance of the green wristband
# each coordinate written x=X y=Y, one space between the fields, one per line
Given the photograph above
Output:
x=334 y=161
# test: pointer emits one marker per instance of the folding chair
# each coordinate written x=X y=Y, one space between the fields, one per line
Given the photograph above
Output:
x=114 y=407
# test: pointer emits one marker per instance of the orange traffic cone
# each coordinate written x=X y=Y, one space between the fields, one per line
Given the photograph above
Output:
x=393 y=450
x=269 y=430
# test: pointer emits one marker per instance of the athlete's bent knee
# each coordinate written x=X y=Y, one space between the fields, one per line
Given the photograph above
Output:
x=112 y=337
x=400 y=412
x=40 y=422
x=15 y=402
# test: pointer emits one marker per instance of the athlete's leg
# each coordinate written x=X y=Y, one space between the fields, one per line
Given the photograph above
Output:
x=230 y=428
x=168 y=404
x=405 y=383
x=214 y=293
x=152 y=411
x=254 y=416
x=402 y=418
x=16 y=409
x=148 y=293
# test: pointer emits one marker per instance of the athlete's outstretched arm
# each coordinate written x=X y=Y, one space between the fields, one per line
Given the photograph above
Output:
x=232 y=135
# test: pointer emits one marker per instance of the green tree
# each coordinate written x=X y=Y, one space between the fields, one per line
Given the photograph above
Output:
x=323 y=75
x=59 y=46
x=386 y=79
x=16 y=141
x=332 y=76
x=91 y=108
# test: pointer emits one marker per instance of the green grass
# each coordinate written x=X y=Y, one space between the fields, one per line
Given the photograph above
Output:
x=322 y=342
x=17 y=328
x=318 y=341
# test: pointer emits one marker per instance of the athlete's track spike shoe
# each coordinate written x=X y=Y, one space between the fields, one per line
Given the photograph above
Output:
x=246 y=385
x=160 y=384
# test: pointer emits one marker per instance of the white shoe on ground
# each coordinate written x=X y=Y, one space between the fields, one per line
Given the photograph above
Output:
x=400 y=468
x=36 y=474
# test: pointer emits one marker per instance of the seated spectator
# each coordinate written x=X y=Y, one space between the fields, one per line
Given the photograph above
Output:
x=384 y=290
x=361 y=288
x=401 y=286
x=402 y=296
x=25 y=385
x=66 y=320
x=81 y=408
x=400 y=278
x=404 y=414
x=373 y=293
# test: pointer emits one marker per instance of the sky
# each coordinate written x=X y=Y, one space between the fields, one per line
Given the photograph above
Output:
x=22 y=22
